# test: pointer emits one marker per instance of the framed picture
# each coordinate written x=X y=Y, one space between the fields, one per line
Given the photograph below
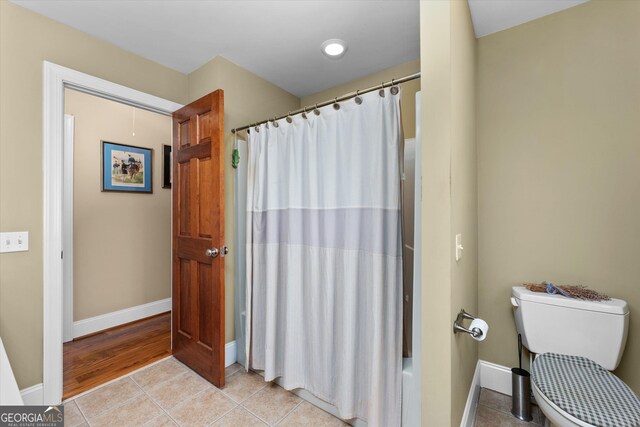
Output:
x=126 y=168
x=167 y=166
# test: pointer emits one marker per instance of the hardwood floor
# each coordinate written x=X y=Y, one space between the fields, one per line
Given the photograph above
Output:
x=107 y=355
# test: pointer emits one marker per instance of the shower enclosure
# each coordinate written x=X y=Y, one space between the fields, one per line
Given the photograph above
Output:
x=411 y=209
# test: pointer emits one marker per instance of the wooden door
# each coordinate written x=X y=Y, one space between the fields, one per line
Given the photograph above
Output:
x=198 y=236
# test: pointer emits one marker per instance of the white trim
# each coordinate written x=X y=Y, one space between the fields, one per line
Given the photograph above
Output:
x=230 y=353
x=53 y=94
x=495 y=377
x=33 y=395
x=490 y=376
x=469 y=415
x=55 y=79
x=67 y=229
x=120 y=317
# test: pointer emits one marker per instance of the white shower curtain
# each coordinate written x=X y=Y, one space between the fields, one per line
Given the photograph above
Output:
x=324 y=256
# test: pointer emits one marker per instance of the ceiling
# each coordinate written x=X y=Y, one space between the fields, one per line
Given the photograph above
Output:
x=279 y=40
x=491 y=16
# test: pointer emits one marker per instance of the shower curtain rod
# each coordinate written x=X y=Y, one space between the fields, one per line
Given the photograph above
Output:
x=333 y=101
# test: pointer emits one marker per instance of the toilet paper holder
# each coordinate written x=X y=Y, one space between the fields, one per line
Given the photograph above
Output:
x=457 y=325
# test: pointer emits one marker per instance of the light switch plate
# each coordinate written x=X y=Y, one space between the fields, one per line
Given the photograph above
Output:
x=14 y=242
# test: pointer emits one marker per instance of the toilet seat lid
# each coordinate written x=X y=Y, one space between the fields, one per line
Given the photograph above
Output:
x=586 y=390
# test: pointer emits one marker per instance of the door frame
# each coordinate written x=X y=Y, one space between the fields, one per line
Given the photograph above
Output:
x=67 y=229
x=55 y=79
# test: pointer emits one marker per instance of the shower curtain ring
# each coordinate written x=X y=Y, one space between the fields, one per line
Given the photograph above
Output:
x=304 y=112
x=316 y=111
x=381 y=92
x=275 y=122
x=289 y=119
x=357 y=98
x=394 y=89
x=336 y=106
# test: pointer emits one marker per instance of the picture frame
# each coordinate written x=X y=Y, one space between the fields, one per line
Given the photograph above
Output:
x=167 y=166
x=126 y=168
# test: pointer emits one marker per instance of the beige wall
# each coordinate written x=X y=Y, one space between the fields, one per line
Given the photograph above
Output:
x=247 y=98
x=409 y=89
x=448 y=49
x=122 y=241
x=435 y=56
x=27 y=39
x=558 y=164
x=464 y=200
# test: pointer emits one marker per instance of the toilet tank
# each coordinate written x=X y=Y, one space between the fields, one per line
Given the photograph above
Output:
x=557 y=324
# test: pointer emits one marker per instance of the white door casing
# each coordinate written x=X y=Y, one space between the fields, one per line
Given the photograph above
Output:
x=55 y=79
x=67 y=230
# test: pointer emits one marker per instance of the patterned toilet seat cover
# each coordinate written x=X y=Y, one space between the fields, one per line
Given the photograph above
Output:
x=586 y=390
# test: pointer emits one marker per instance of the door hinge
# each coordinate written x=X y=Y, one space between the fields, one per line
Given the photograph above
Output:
x=61 y=254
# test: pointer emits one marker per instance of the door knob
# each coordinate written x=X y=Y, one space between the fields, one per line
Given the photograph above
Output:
x=213 y=252
x=224 y=250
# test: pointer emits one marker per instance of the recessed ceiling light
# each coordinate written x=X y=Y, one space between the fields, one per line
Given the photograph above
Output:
x=334 y=48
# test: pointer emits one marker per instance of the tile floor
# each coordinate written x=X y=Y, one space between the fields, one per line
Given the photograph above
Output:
x=169 y=394
x=494 y=410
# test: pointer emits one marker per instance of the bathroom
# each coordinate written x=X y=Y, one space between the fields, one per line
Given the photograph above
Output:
x=531 y=159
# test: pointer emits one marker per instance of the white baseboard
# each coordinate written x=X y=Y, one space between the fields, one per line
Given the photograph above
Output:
x=33 y=395
x=120 y=317
x=487 y=375
x=230 y=355
x=495 y=377
x=468 y=417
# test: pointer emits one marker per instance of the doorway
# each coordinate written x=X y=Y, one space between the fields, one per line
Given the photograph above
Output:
x=56 y=79
x=117 y=240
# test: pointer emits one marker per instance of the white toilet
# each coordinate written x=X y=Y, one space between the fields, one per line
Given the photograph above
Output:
x=576 y=343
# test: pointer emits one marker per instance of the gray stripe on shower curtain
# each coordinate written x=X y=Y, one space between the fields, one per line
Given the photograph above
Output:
x=366 y=229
